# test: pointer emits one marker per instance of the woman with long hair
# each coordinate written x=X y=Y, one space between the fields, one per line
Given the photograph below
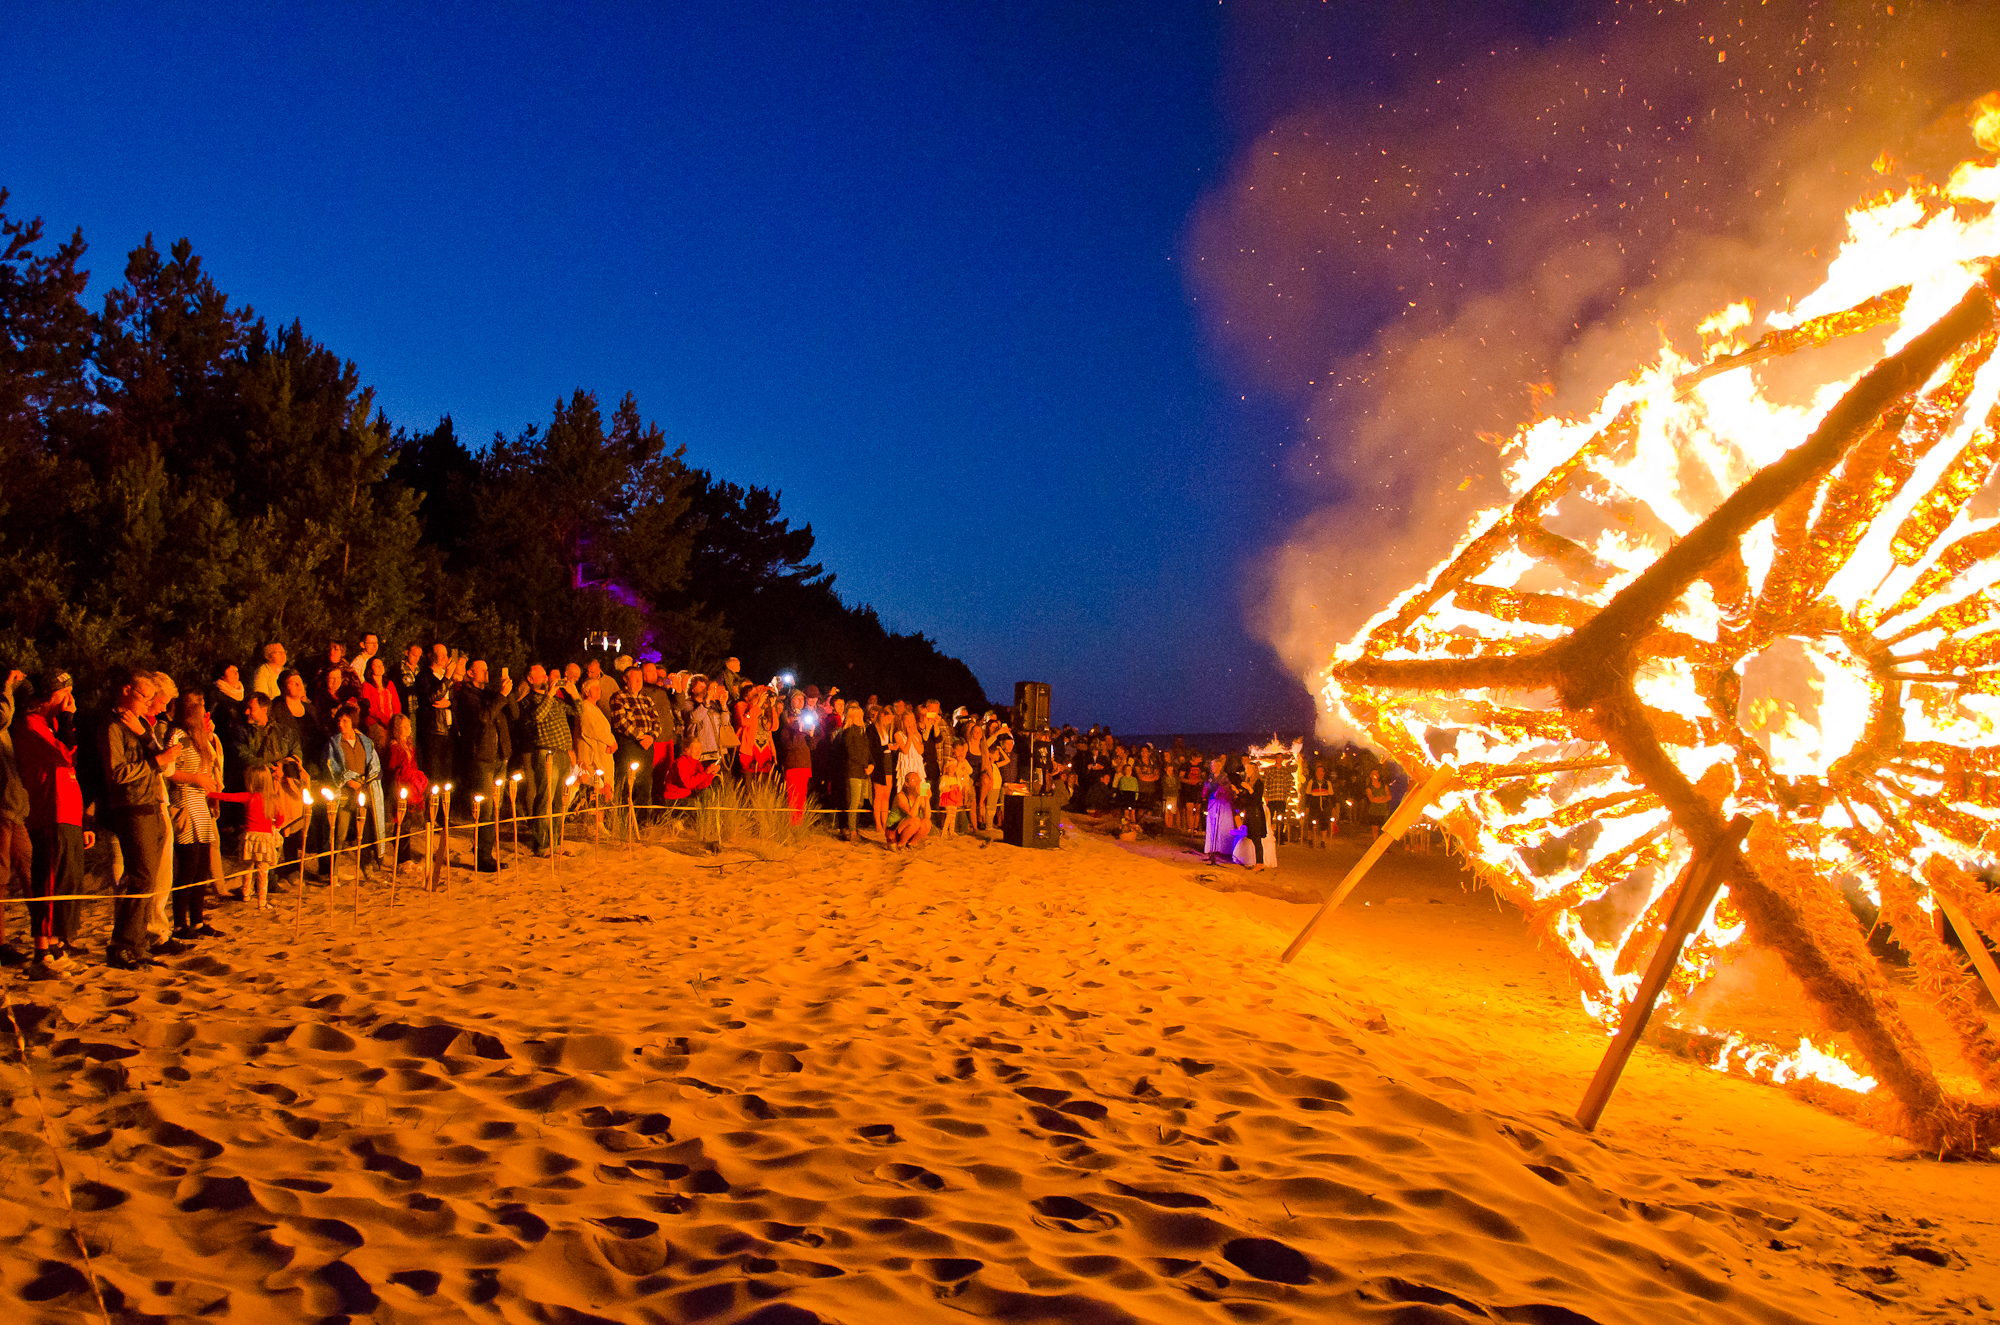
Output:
x=196 y=773
x=380 y=702
x=756 y=751
x=999 y=758
x=882 y=755
x=1218 y=794
x=596 y=751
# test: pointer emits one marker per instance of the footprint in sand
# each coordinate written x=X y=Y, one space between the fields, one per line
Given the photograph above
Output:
x=1268 y=1260
x=1072 y=1216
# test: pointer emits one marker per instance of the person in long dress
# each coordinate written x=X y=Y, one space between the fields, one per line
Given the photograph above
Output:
x=1219 y=844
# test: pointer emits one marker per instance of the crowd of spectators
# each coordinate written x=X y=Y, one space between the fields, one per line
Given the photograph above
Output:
x=340 y=751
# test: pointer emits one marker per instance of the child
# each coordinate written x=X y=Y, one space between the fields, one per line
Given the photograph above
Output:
x=262 y=847
x=953 y=779
x=1170 y=795
x=1125 y=794
x=910 y=815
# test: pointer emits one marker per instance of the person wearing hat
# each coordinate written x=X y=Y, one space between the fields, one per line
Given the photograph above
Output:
x=55 y=828
x=17 y=854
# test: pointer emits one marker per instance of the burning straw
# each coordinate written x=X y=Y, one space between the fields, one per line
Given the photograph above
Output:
x=1703 y=603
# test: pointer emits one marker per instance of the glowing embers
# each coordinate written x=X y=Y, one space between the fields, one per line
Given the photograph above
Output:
x=1805 y=702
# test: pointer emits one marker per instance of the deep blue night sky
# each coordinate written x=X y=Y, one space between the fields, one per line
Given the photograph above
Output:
x=915 y=267
x=926 y=269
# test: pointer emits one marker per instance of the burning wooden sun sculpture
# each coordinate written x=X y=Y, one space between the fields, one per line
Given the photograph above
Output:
x=1708 y=601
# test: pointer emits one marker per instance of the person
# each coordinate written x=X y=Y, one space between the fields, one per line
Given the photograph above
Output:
x=272 y=747
x=1219 y=798
x=795 y=754
x=271 y=672
x=1280 y=781
x=596 y=747
x=1170 y=794
x=225 y=701
x=334 y=693
x=404 y=785
x=433 y=713
x=195 y=773
x=58 y=837
x=159 y=918
x=380 y=701
x=1147 y=769
x=857 y=764
x=999 y=761
x=17 y=848
x=307 y=736
x=1257 y=843
x=910 y=752
x=635 y=721
x=356 y=771
x=547 y=739
x=882 y=766
x=135 y=800
x=1377 y=793
x=262 y=845
x=1320 y=794
x=953 y=780
x=334 y=661
x=910 y=816
x=408 y=672
x=1125 y=793
x=757 y=753
x=368 y=652
x=701 y=724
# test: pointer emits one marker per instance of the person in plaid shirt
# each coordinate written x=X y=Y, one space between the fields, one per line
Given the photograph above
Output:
x=636 y=723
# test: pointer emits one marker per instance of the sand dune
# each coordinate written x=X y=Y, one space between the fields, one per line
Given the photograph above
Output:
x=851 y=1086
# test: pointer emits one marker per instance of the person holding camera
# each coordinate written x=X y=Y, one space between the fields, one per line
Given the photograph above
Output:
x=135 y=797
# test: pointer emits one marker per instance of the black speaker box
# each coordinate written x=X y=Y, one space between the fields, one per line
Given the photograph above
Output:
x=1030 y=821
x=1031 y=706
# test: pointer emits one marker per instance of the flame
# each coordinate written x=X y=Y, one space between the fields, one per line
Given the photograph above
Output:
x=1838 y=678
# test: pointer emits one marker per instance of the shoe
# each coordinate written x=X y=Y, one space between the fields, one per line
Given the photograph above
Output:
x=125 y=959
x=185 y=933
x=12 y=956
x=39 y=969
x=207 y=931
x=60 y=961
x=491 y=866
x=171 y=948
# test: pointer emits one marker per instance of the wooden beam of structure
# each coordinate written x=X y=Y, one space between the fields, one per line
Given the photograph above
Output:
x=1975 y=944
x=1697 y=894
x=1399 y=823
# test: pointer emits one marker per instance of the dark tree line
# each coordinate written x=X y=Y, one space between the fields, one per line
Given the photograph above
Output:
x=180 y=484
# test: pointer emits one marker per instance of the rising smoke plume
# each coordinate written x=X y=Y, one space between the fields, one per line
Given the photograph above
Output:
x=1508 y=230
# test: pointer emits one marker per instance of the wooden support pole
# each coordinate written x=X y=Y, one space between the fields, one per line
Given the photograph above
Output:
x=1697 y=894
x=1975 y=946
x=1406 y=814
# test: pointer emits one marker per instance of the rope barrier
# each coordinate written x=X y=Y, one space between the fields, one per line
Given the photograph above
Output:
x=399 y=839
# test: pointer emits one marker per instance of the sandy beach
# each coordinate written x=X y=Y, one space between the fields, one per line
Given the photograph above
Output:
x=844 y=1085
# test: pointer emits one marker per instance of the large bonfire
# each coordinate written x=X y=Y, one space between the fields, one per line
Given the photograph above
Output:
x=1710 y=598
